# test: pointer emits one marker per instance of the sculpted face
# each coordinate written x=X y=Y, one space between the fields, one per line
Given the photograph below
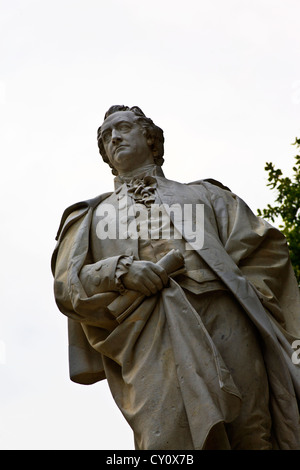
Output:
x=125 y=145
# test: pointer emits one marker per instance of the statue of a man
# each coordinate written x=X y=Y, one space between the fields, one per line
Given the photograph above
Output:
x=183 y=299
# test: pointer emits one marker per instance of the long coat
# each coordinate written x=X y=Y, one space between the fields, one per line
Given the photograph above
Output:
x=248 y=255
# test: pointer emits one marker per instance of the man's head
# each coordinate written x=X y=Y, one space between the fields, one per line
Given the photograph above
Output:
x=128 y=139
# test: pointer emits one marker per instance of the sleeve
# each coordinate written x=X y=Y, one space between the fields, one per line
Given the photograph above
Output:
x=105 y=275
x=83 y=300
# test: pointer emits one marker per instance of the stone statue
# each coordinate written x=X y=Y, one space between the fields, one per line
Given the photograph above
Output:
x=183 y=299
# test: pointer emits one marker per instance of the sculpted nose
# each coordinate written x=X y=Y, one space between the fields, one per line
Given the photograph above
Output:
x=115 y=136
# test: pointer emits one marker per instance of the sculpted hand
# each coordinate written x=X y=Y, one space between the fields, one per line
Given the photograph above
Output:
x=145 y=277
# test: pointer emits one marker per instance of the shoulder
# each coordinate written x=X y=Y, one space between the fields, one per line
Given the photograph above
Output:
x=71 y=215
x=77 y=210
x=210 y=184
x=218 y=195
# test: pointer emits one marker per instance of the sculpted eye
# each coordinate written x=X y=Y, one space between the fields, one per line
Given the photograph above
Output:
x=124 y=127
x=106 y=137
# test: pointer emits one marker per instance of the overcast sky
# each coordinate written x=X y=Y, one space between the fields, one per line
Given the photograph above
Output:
x=221 y=78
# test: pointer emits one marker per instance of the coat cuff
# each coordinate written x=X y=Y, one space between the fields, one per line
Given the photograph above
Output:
x=122 y=268
x=101 y=276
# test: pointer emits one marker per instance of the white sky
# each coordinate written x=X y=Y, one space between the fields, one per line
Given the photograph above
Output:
x=221 y=78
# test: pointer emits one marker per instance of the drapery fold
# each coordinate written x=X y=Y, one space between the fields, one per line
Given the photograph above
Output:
x=251 y=258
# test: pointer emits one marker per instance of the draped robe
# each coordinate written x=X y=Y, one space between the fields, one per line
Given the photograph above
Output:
x=164 y=371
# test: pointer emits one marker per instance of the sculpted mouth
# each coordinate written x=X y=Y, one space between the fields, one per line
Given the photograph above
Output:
x=119 y=147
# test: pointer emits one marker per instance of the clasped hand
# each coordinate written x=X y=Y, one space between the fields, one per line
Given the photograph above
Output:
x=145 y=277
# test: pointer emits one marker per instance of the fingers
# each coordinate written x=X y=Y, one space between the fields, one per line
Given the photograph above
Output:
x=152 y=282
x=155 y=278
x=162 y=273
x=145 y=277
x=148 y=287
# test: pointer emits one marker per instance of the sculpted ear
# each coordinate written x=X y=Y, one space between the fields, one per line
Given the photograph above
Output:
x=150 y=141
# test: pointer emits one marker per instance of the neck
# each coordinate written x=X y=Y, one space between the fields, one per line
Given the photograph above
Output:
x=138 y=170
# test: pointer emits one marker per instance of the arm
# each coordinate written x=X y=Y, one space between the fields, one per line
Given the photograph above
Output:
x=83 y=291
x=102 y=276
x=119 y=273
x=70 y=293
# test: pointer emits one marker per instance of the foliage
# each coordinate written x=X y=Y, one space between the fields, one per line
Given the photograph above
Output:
x=287 y=207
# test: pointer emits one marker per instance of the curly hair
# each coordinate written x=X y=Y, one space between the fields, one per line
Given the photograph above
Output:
x=153 y=134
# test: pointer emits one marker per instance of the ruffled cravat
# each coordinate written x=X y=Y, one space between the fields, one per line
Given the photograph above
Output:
x=142 y=190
